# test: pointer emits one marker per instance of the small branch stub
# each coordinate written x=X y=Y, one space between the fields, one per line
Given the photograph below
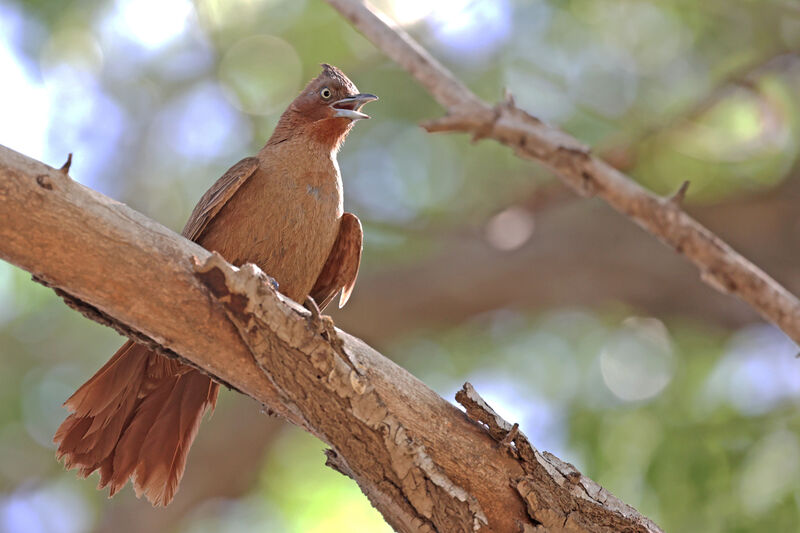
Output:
x=557 y=495
x=68 y=163
x=511 y=435
x=44 y=181
x=677 y=198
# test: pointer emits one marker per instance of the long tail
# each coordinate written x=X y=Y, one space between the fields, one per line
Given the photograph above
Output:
x=136 y=418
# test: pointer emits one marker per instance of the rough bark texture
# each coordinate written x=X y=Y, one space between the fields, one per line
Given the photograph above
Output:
x=720 y=266
x=124 y=270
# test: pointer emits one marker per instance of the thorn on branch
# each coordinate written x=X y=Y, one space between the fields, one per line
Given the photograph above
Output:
x=499 y=429
x=677 y=198
x=481 y=122
x=68 y=163
x=485 y=130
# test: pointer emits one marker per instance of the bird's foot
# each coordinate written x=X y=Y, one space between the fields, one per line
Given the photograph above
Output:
x=324 y=326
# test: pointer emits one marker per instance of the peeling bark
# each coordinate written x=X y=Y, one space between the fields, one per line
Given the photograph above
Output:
x=347 y=410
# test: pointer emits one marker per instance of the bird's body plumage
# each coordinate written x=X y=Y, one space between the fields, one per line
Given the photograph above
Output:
x=280 y=241
x=282 y=210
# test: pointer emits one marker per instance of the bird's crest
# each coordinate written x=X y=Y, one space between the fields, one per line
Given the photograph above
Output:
x=333 y=73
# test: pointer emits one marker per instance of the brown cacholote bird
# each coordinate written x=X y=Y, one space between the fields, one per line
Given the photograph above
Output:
x=282 y=210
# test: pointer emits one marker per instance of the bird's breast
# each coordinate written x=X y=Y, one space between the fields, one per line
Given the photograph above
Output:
x=285 y=219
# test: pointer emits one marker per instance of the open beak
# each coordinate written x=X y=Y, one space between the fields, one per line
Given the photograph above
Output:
x=349 y=107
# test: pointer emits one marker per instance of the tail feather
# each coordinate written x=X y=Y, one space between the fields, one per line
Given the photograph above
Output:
x=110 y=385
x=132 y=444
x=101 y=407
x=155 y=471
x=136 y=418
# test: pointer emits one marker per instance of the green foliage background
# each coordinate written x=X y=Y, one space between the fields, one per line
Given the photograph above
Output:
x=694 y=424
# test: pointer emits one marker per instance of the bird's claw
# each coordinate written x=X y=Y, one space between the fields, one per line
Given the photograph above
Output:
x=312 y=307
x=316 y=315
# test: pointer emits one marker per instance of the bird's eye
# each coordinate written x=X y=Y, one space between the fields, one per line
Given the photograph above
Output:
x=325 y=93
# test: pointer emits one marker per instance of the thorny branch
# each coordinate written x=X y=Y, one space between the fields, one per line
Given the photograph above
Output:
x=720 y=266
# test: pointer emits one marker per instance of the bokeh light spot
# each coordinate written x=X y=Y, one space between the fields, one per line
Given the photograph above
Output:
x=260 y=74
x=637 y=360
x=605 y=82
x=396 y=172
x=49 y=509
x=759 y=371
x=25 y=106
x=151 y=24
x=471 y=30
x=72 y=48
x=202 y=125
x=509 y=229
x=769 y=471
x=468 y=30
x=90 y=125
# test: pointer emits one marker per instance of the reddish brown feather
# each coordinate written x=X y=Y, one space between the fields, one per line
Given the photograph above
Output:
x=155 y=446
x=100 y=408
x=137 y=416
x=217 y=196
x=341 y=268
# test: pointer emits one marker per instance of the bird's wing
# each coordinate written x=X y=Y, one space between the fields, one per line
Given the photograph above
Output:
x=341 y=268
x=217 y=196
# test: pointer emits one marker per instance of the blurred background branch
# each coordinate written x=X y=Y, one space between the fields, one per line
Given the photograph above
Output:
x=720 y=266
x=568 y=318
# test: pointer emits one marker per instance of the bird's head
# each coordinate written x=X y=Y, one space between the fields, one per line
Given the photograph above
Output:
x=325 y=110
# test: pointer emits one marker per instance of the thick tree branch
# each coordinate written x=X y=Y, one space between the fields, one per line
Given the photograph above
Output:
x=720 y=266
x=123 y=269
